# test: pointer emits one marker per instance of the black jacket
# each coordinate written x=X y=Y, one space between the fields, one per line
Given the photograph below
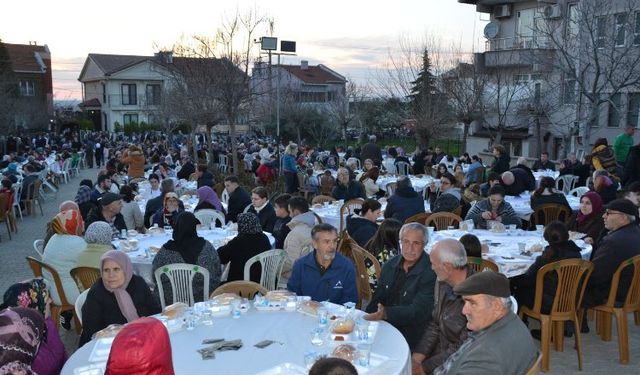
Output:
x=631 y=171
x=352 y=191
x=557 y=198
x=371 y=151
x=267 y=217
x=403 y=204
x=501 y=164
x=360 y=229
x=239 y=250
x=96 y=215
x=409 y=310
x=186 y=171
x=101 y=308
x=532 y=178
x=238 y=200
x=522 y=182
x=540 y=166
x=280 y=231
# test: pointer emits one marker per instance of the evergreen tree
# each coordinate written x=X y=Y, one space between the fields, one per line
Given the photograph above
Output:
x=424 y=85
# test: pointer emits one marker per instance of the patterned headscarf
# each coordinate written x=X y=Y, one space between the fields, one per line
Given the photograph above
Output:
x=83 y=195
x=248 y=223
x=206 y=194
x=68 y=205
x=32 y=293
x=68 y=222
x=99 y=232
x=125 y=303
x=21 y=331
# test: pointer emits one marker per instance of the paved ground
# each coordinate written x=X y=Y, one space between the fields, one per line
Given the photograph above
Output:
x=598 y=357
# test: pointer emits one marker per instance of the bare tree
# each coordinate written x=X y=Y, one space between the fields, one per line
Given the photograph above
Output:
x=339 y=109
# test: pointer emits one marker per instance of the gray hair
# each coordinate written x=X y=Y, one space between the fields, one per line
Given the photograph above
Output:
x=452 y=251
x=632 y=218
x=504 y=301
x=522 y=161
x=417 y=227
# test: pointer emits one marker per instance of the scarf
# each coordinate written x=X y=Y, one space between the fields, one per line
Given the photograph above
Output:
x=32 y=294
x=185 y=239
x=68 y=222
x=99 y=232
x=596 y=204
x=166 y=215
x=206 y=194
x=248 y=223
x=83 y=195
x=125 y=303
x=68 y=205
x=21 y=331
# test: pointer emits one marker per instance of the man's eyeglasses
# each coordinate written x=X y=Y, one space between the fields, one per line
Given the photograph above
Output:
x=607 y=213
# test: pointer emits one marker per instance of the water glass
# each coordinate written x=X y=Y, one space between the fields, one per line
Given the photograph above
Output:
x=207 y=318
x=316 y=337
x=235 y=309
x=310 y=358
x=522 y=246
x=540 y=228
x=190 y=321
x=323 y=317
x=363 y=354
x=362 y=330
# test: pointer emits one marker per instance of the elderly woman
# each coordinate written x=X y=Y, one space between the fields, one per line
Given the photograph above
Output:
x=588 y=219
x=21 y=332
x=170 y=208
x=208 y=199
x=187 y=247
x=34 y=294
x=98 y=238
x=289 y=168
x=118 y=297
x=261 y=207
x=249 y=242
x=493 y=208
x=62 y=250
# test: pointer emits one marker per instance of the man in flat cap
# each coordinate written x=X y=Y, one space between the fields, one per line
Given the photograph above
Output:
x=499 y=342
x=617 y=245
x=108 y=210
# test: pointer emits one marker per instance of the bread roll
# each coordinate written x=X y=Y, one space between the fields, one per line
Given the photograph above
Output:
x=343 y=327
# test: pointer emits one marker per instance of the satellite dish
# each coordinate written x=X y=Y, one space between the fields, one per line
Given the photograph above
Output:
x=491 y=30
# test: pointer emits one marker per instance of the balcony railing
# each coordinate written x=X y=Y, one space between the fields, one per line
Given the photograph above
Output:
x=518 y=42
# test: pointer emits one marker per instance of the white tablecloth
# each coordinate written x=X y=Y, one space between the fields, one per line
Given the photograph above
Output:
x=522 y=204
x=539 y=175
x=142 y=260
x=290 y=330
x=331 y=213
x=418 y=183
x=503 y=245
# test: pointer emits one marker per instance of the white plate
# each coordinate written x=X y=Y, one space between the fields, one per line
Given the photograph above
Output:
x=375 y=362
x=101 y=350
x=286 y=368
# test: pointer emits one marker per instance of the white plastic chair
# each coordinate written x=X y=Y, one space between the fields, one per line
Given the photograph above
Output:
x=79 y=303
x=66 y=167
x=514 y=304
x=17 y=191
x=180 y=277
x=224 y=197
x=402 y=168
x=38 y=246
x=271 y=262
x=225 y=272
x=207 y=216
x=568 y=183
x=223 y=164
x=579 y=191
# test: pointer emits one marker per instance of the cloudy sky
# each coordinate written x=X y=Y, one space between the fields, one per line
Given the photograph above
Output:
x=353 y=37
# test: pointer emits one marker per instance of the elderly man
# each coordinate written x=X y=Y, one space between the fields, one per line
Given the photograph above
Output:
x=619 y=244
x=448 y=327
x=108 y=210
x=516 y=181
x=239 y=198
x=404 y=295
x=324 y=274
x=346 y=188
x=499 y=342
x=405 y=201
x=154 y=204
x=569 y=165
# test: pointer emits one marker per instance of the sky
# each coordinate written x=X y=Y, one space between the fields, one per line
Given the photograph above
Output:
x=353 y=37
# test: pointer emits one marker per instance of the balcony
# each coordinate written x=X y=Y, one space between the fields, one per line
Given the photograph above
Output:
x=520 y=51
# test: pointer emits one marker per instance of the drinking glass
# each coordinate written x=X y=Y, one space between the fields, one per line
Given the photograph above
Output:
x=362 y=330
x=363 y=354
x=323 y=317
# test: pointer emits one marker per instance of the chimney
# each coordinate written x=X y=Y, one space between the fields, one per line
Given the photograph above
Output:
x=304 y=65
x=165 y=56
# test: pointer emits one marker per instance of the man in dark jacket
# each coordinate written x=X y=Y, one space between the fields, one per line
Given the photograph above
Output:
x=239 y=198
x=516 y=181
x=405 y=202
x=448 y=327
x=346 y=188
x=404 y=295
x=631 y=171
x=449 y=197
x=187 y=168
x=108 y=210
x=154 y=204
x=618 y=245
x=371 y=151
x=544 y=164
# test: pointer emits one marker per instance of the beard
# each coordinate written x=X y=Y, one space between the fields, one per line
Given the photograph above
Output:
x=329 y=256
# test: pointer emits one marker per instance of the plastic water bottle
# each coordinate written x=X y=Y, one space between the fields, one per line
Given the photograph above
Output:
x=235 y=312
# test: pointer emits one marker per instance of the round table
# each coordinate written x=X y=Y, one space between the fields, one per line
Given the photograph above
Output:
x=418 y=183
x=331 y=212
x=142 y=260
x=522 y=204
x=504 y=247
x=291 y=332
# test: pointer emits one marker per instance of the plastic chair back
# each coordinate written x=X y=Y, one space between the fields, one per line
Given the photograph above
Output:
x=243 y=288
x=579 y=191
x=85 y=277
x=478 y=264
x=443 y=220
x=391 y=188
x=79 y=303
x=550 y=212
x=271 y=263
x=207 y=216
x=181 y=277
x=349 y=208
x=566 y=183
x=403 y=168
x=224 y=197
x=38 y=246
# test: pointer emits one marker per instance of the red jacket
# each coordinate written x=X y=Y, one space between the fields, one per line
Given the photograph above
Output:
x=141 y=348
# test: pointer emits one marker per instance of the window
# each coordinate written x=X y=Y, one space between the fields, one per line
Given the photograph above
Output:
x=153 y=94
x=569 y=91
x=634 y=109
x=572 y=21
x=601 y=31
x=614 y=111
x=620 y=29
x=130 y=118
x=104 y=93
x=27 y=88
x=636 y=33
x=129 y=94
x=311 y=97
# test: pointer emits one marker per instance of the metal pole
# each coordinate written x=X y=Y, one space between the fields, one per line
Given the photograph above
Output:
x=278 y=115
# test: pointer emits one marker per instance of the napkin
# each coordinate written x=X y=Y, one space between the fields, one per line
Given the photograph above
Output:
x=209 y=351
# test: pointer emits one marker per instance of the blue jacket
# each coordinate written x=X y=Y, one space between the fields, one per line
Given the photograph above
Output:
x=337 y=285
x=289 y=163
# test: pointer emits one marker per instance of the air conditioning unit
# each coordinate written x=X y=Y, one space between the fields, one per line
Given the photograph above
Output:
x=502 y=11
x=552 y=11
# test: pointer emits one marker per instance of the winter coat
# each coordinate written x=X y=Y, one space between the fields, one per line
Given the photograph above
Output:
x=361 y=229
x=602 y=157
x=403 y=204
x=267 y=216
x=239 y=250
x=505 y=211
x=298 y=241
x=61 y=253
x=238 y=201
x=351 y=191
x=522 y=182
x=632 y=166
x=500 y=164
x=445 y=202
x=135 y=160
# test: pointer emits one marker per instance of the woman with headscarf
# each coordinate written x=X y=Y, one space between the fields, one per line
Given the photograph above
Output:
x=83 y=200
x=98 y=238
x=21 y=331
x=34 y=294
x=249 y=242
x=141 y=348
x=170 y=209
x=62 y=250
x=187 y=247
x=118 y=297
x=588 y=219
x=208 y=199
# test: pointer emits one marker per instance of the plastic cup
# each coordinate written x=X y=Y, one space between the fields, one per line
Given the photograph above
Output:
x=363 y=354
x=362 y=330
x=323 y=317
x=539 y=228
x=522 y=246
